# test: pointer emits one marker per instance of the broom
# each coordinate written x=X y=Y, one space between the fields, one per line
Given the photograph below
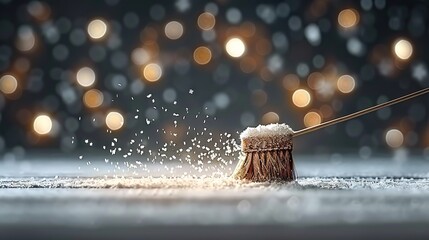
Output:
x=267 y=149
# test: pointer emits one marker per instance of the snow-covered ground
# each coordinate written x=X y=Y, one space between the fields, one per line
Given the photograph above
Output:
x=333 y=198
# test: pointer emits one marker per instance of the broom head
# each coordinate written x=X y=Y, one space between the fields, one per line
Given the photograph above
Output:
x=266 y=154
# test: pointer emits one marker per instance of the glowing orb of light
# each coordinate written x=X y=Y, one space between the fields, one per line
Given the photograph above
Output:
x=202 y=55
x=301 y=98
x=346 y=84
x=140 y=56
x=206 y=21
x=26 y=39
x=235 y=47
x=8 y=84
x=93 y=98
x=97 y=29
x=312 y=119
x=394 y=138
x=114 y=120
x=42 y=124
x=348 y=18
x=403 y=49
x=270 y=117
x=173 y=30
x=85 y=77
x=152 y=72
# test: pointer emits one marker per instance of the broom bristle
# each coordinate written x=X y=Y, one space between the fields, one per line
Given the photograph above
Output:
x=266 y=166
x=266 y=158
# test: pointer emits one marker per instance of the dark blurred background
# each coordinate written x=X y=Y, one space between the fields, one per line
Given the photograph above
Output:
x=77 y=74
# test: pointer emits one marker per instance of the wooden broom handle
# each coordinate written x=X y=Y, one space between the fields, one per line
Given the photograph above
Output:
x=360 y=113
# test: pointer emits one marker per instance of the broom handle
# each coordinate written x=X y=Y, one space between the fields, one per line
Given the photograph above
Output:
x=360 y=113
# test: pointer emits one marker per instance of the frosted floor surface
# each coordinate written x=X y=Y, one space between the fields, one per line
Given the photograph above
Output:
x=347 y=199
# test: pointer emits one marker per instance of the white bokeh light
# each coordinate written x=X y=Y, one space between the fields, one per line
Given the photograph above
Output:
x=235 y=47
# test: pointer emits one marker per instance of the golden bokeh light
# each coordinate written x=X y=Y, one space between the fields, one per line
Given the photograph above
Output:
x=85 y=77
x=348 y=18
x=202 y=55
x=235 y=47
x=8 y=84
x=97 y=29
x=270 y=117
x=173 y=30
x=114 y=120
x=291 y=82
x=301 y=98
x=394 y=138
x=42 y=124
x=346 y=84
x=93 y=98
x=314 y=79
x=403 y=49
x=206 y=21
x=312 y=119
x=152 y=72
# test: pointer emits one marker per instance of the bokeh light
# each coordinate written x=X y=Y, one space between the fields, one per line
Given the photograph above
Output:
x=173 y=30
x=114 y=120
x=39 y=10
x=394 y=138
x=206 y=21
x=93 y=98
x=312 y=119
x=301 y=98
x=26 y=39
x=270 y=117
x=42 y=124
x=291 y=82
x=8 y=84
x=97 y=29
x=152 y=72
x=346 y=84
x=85 y=77
x=252 y=61
x=403 y=49
x=140 y=56
x=348 y=18
x=202 y=55
x=235 y=47
x=314 y=80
